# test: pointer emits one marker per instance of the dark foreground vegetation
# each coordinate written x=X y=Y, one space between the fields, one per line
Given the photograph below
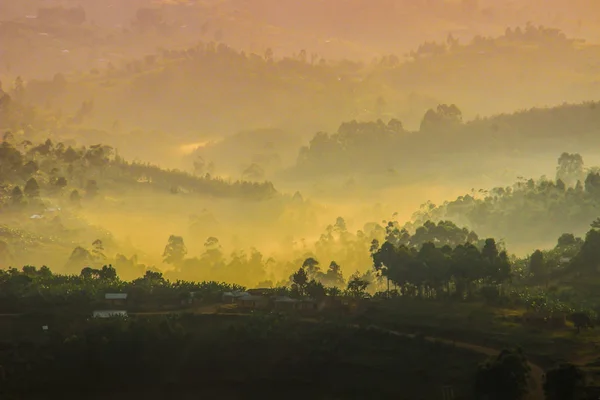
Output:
x=259 y=356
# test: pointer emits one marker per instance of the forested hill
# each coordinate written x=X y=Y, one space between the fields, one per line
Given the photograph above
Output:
x=29 y=171
x=219 y=88
x=530 y=212
x=448 y=144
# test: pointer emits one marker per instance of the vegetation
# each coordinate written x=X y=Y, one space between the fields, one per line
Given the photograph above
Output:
x=63 y=169
x=141 y=145
x=544 y=208
x=162 y=354
x=504 y=376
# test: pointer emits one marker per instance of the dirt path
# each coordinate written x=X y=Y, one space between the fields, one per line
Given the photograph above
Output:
x=536 y=380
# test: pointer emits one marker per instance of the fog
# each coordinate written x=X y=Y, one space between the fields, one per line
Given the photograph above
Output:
x=232 y=140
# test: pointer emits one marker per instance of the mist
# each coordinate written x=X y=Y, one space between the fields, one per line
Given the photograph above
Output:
x=253 y=127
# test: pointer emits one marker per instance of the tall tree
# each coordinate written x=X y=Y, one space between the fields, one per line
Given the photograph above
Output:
x=32 y=189
x=175 y=250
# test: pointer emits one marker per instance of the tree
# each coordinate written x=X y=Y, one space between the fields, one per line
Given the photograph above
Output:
x=199 y=166
x=580 y=320
x=90 y=273
x=268 y=55
x=79 y=257
x=19 y=89
x=16 y=196
x=175 y=250
x=108 y=273
x=333 y=276
x=75 y=198
x=70 y=155
x=503 y=377
x=357 y=285
x=537 y=264
x=98 y=250
x=300 y=279
x=588 y=258
x=564 y=382
x=489 y=251
x=315 y=290
x=61 y=182
x=444 y=116
x=570 y=168
x=395 y=125
x=254 y=172
x=32 y=189
x=568 y=239
x=311 y=266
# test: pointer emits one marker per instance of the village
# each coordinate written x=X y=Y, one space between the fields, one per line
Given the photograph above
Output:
x=233 y=302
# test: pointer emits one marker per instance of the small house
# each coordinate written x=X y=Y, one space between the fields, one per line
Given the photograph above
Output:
x=189 y=298
x=115 y=299
x=307 y=305
x=109 y=313
x=261 y=292
x=252 y=302
x=284 y=303
x=231 y=297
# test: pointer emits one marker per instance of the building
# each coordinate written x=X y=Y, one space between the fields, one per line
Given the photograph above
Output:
x=231 y=297
x=252 y=302
x=261 y=292
x=115 y=299
x=109 y=313
x=284 y=303
x=307 y=305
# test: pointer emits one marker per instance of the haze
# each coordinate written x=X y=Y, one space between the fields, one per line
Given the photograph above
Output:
x=261 y=123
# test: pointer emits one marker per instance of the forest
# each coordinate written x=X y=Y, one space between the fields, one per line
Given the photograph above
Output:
x=316 y=199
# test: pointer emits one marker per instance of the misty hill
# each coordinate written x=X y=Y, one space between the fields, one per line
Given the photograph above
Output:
x=30 y=171
x=221 y=90
x=54 y=197
x=445 y=147
x=357 y=29
x=250 y=154
x=530 y=212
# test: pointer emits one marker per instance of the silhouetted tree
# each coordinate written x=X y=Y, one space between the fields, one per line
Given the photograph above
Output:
x=32 y=189
x=503 y=377
x=175 y=250
x=564 y=382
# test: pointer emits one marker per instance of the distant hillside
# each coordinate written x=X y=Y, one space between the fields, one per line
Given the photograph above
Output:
x=212 y=90
x=445 y=147
x=97 y=32
x=31 y=172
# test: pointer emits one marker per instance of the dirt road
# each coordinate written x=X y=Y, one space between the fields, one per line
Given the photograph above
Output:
x=536 y=380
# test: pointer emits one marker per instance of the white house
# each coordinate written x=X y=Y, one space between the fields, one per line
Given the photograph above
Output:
x=109 y=313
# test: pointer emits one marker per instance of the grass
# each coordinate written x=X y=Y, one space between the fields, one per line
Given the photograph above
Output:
x=488 y=326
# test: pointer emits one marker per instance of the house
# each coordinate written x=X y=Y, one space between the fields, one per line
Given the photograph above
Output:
x=284 y=303
x=189 y=298
x=261 y=292
x=109 y=313
x=307 y=305
x=115 y=299
x=231 y=297
x=564 y=261
x=250 y=302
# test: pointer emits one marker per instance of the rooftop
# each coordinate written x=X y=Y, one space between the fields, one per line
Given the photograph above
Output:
x=109 y=313
x=115 y=296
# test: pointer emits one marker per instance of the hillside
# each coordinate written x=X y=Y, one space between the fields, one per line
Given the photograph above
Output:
x=329 y=28
x=485 y=145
